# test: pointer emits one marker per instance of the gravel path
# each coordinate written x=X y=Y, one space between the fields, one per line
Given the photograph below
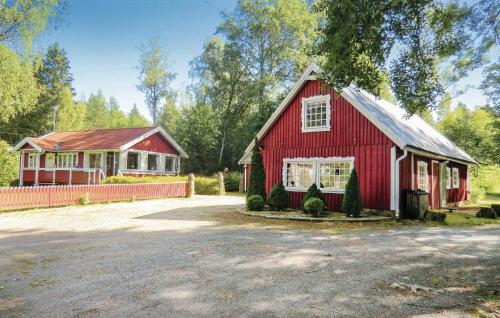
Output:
x=183 y=258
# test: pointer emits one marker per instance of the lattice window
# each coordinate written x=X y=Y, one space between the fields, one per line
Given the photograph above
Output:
x=316 y=113
x=67 y=160
x=422 y=176
x=299 y=174
x=334 y=175
x=455 y=178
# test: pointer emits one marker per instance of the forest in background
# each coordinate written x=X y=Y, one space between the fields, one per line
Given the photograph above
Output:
x=257 y=51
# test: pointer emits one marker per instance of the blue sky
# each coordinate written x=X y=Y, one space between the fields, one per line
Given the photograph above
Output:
x=101 y=39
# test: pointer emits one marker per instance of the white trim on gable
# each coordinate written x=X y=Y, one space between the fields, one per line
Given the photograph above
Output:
x=160 y=130
x=26 y=140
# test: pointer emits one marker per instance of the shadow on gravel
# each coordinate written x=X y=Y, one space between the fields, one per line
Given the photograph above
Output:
x=206 y=269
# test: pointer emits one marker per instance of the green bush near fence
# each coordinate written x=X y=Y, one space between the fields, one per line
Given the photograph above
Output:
x=232 y=181
x=202 y=185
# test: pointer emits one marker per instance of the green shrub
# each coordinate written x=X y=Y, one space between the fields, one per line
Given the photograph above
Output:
x=206 y=186
x=85 y=199
x=255 y=203
x=257 y=182
x=352 y=204
x=315 y=206
x=435 y=216
x=9 y=165
x=312 y=192
x=487 y=213
x=278 y=197
x=496 y=207
x=232 y=181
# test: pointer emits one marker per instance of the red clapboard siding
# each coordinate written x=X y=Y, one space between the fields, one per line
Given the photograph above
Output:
x=48 y=196
x=155 y=143
x=352 y=134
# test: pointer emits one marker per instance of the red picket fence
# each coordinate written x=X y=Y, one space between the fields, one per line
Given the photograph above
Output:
x=49 y=196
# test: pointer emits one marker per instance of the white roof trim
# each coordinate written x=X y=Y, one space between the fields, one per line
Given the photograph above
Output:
x=152 y=132
x=26 y=140
x=375 y=110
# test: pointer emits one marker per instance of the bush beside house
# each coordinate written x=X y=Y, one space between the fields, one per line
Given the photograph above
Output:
x=255 y=203
x=232 y=181
x=315 y=206
x=278 y=197
x=312 y=192
x=352 y=204
x=257 y=182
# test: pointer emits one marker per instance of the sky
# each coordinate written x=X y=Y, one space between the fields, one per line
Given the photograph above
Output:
x=101 y=39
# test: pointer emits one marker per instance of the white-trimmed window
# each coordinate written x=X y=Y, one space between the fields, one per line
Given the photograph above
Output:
x=316 y=113
x=329 y=174
x=31 y=160
x=132 y=160
x=422 y=176
x=334 y=175
x=153 y=162
x=447 y=179
x=299 y=175
x=169 y=164
x=455 y=178
x=95 y=160
x=67 y=160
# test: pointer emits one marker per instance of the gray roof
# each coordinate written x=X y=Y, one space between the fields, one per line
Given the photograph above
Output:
x=412 y=132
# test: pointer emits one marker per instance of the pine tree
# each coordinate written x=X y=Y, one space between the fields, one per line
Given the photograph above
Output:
x=312 y=192
x=278 y=197
x=135 y=119
x=352 y=204
x=257 y=184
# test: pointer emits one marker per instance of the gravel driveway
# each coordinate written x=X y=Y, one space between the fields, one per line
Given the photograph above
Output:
x=188 y=257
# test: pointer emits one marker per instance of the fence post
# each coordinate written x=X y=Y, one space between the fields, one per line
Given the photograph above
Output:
x=220 y=179
x=190 y=191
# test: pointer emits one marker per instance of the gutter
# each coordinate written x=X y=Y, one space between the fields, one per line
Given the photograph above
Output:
x=397 y=191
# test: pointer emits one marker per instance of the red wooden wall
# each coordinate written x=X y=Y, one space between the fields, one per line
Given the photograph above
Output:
x=155 y=143
x=351 y=134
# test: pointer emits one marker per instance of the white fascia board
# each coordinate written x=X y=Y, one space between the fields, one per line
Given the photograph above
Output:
x=162 y=131
x=26 y=140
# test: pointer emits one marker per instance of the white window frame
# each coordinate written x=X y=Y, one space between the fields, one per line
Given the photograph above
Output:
x=448 y=178
x=172 y=166
x=67 y=160
x=31 y=164
x=50 y=160
x=157 y=161
x=139 y=157
x=312 y=99
x=316 y=166
x=426 y=176
x=87 y=159
x=455 y=177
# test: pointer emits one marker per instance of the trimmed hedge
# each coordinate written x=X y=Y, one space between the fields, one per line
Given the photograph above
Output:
x=488 y=213
x=278 y=197
x=314 y=206
x=255 y=203
x=202 y=185
x=312 y=192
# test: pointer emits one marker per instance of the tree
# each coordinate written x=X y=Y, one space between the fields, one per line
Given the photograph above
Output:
x=278 y=197
x=272 y=38
x=23 y=20
x=19 y=92
x=9 y=163
x=154 y=76
x=169 y=116
x=117 y=118
x=135 y=119
x=69 y=115
x=352 y=204
x=257 y=182
x=491 y=85
x=312 y=192
x=97 y=115
x=412 y=41
x=197 y=134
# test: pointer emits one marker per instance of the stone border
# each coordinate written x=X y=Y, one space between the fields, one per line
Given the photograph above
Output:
x=313 y=219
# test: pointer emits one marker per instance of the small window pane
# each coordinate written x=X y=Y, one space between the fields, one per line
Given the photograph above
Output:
x=299 y=175
x=169 y=164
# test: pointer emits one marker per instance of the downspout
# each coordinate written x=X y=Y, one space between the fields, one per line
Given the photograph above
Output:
x=397 y=190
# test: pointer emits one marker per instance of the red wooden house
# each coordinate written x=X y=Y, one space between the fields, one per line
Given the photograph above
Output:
x=318 y=136
x=88 y=156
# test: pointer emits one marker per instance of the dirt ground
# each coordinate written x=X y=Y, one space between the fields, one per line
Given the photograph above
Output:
x=198 y=258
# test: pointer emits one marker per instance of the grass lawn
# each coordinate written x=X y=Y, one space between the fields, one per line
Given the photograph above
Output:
x=464 y=219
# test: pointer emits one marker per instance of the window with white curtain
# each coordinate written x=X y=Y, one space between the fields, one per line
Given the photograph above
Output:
x=299 y=175
x=455 y=178
x=422 y=176
x=67 y=160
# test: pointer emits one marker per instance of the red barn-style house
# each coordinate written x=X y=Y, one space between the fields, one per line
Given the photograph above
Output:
x=88 y=156
x=318 y=136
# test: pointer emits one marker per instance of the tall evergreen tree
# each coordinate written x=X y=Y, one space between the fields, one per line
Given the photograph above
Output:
x=352 y=204
x=135 y=119
x=257 y=182
x=117 y=118
x=97 y=115
x=70 y=116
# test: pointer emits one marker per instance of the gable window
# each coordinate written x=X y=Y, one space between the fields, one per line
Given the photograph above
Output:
x=455 y=178
x=152 y=162
x=316 y=113
x=329 y=174
x=447 y=180
x=31 y=160
x=95 y=160
x=422 y=176
x=169 y=164
x=133 y=160
x=67 y=160
x=334 y=175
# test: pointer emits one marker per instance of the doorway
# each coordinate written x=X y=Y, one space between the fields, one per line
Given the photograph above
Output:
x=110 y=164
x=435 y=185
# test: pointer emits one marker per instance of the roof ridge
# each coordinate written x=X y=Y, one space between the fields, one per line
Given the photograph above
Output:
x=97 y=129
